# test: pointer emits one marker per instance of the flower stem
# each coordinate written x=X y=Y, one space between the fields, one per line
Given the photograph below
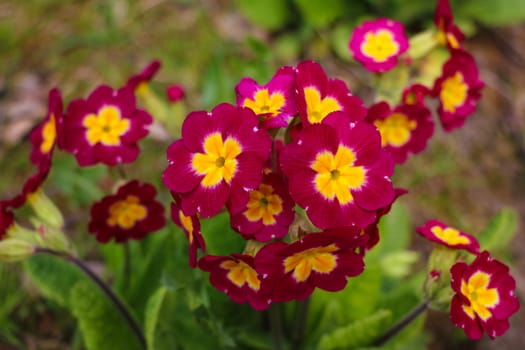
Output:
x=126 y=269
x=300 y=324
x=411 y=316
x=276 y=326
x=104 y=287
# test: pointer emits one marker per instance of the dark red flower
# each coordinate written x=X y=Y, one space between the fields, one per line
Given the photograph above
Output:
x=449 y=34
x=135 y=81
x=131 y=213
x=438 y=232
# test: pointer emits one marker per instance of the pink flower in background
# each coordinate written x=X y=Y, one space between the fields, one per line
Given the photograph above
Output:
x=338 y=172
x=484 y=298
x=135 y=81
x=175 y=93
x=274 y=102
x=105 y=127
x=449 y=34
x=415 y=94
x=378 y=44
x=318 y=96
x=458 y=89
x=220 y=157
x=131 y=213
x=404 y=129
x=438 y=232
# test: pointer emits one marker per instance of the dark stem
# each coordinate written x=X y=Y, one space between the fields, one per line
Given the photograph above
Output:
x=300 y=323
x=411 y=316
x=276 y=326
x=104 y=287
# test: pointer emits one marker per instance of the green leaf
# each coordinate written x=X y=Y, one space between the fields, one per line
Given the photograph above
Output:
x=320 y=13
x=493 y=12
x=269 y=14
x=53 y=276
x=358 y=333
x=103 y=327
x=499 y=232
x=157 y=325
x=220 y=238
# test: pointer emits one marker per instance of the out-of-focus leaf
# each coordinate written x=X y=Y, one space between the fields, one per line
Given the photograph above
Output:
x=220 y=238
x=103 y=327
x=269 y=14
x=395 y=232
x=340 y=39
x=499 y=232
x=320 y=13
x=492 y=12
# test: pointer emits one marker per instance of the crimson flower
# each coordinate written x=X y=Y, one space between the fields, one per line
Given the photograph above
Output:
x=135 y=81
x=449 y=34
x=274 y=102
x=236 y=276
x=105 y=127
x=318 y=96
x=484 y=298
x=338 y=172
x=321 y=259
x=405 y=129
x=192 y=229
x=458 y=89
x=7 y=219
x=438 y=232
x=219 y=157
x=415 y=94
x=44 y=137
x=31 y=186
x=267 y=213
x=378 y=44
x=175 y=93
x=131 y=213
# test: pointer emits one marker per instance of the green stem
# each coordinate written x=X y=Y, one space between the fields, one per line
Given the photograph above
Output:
x=276 y=326
x=127 y=265
x=119 y=305
x=409 y=318
x=300 y=323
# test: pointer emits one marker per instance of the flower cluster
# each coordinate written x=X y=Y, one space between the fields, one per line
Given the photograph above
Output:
x=483 y=290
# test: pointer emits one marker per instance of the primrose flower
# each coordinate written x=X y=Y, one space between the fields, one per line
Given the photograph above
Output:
x=220 y=157
x=236 y=276
x=192 y=229
x=105 y=127
x=458 y=89
x=378 y=44
x=438 y=232
x=484 y=298
x=405 y=129
x=448 y=33
x=274 y=102
x=415 y=94
x=30 y=188
x=131 y=213
x=135 y=82
x=321 y=259
x=338 y=172
x=268 y=212
x=318 y=96
x=44 y=137
x=175 y=93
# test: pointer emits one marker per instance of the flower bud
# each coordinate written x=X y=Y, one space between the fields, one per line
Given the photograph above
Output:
x=45 y=209
x=12 y=249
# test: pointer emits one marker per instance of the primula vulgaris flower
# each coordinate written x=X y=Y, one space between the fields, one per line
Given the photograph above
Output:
x=135 y=81
x=438 y=232
x=105 y=127
x=268 y=212
x=236 y=276
x=338 y=172
x=44 y=137
x=405 y=129
x=321 y=259
x=219 y=157
x=377 y=44
x=458 y=89
x=31 y=187
x=415 y=94
x=484 y=298
x=131 y=213
x=175 y=93
x=448 y=33
x=318 y=96
x=274 y=102
x=192 y=229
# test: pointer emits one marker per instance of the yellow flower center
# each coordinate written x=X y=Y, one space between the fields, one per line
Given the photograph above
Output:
x=316 y=108
x=49 y=134
x=263 y=204
x=481 y=298
x=126 y=212
x=106 y=127
x=337 y=175
x=395 y=130
x=264 y=103
x=450 y=235
x=453 y=92
x=240 y=273
x=318 y=259
x=380 y=45
x=187 y=224
x=218 y=161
